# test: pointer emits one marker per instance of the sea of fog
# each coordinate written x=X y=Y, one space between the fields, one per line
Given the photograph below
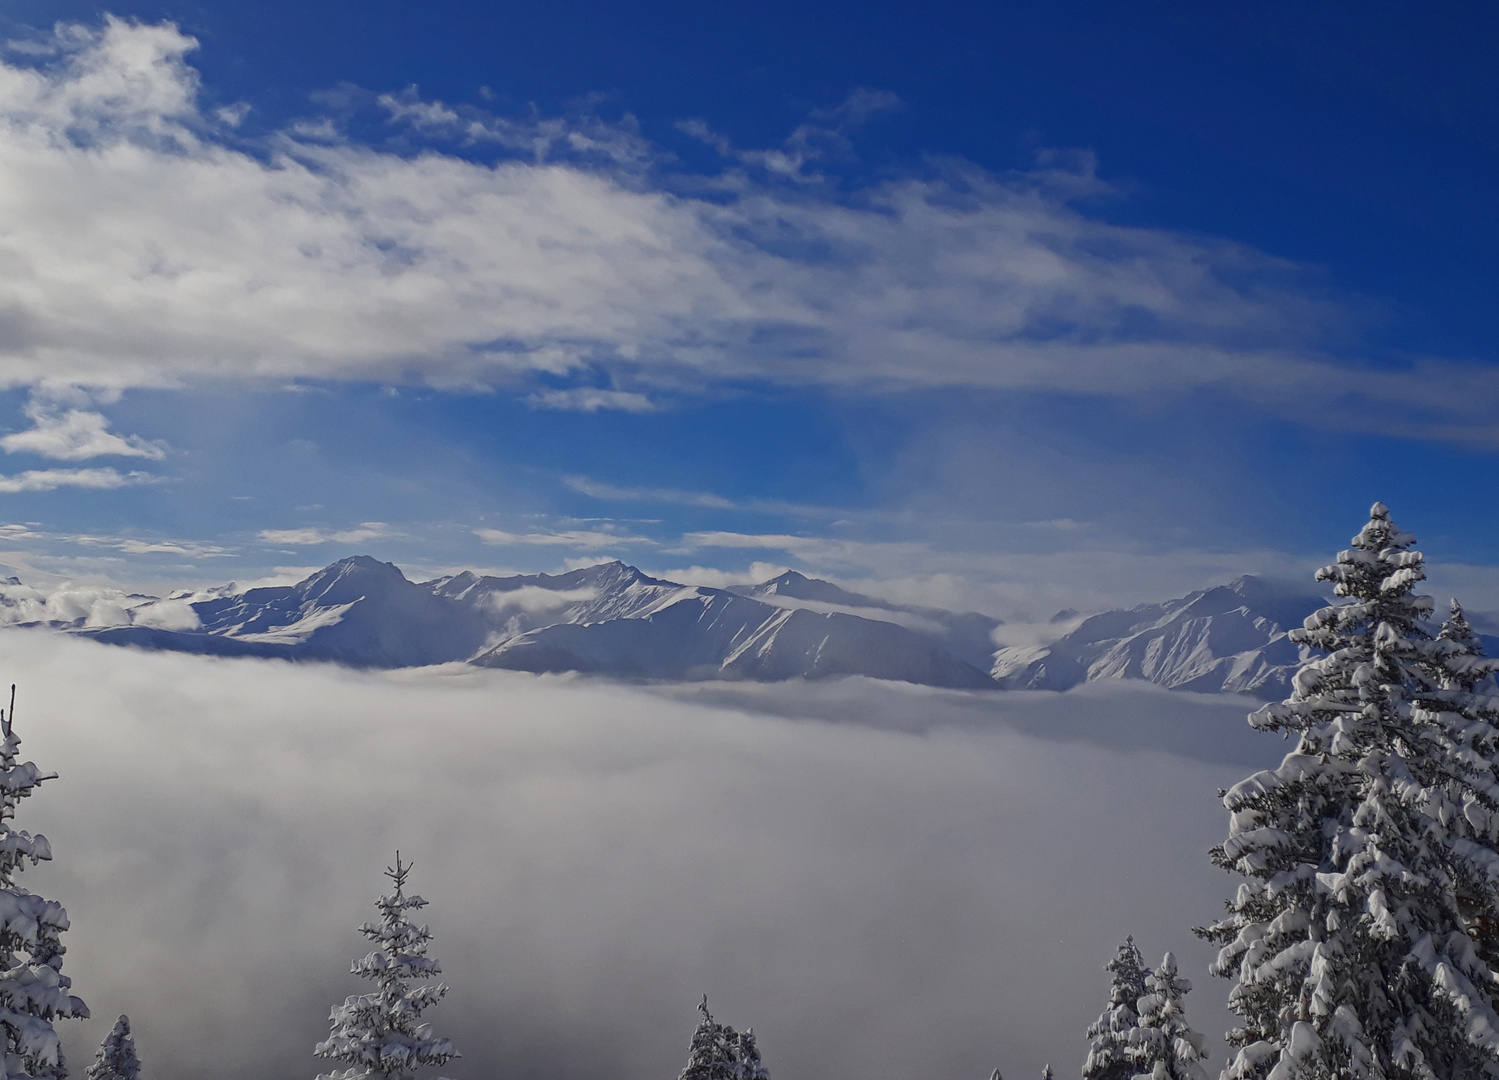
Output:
x=887 y=882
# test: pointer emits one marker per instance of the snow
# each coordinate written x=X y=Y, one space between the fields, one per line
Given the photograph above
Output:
x=116 y=1059
x=381 y=1035
x=33 y=990
x=1361 y=942
x=1229 y=638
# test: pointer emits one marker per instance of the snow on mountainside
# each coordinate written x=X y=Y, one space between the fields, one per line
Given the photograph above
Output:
x=609 y=619
x=1232 y=637
x=613 y=619
x=967 y=634
x=696 y=633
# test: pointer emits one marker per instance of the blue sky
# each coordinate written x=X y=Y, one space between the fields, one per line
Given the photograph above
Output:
x=1013 y=306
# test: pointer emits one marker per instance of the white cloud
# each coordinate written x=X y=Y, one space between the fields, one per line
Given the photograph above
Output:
x=714 y=578
x=52 y=479
x=591 y=399
x=598 y=490
x=157 y=547
x=38 y=539
x=168 y=614
x=73 y=434
x=92 y=606
x=533 y=598
x=588 y=540
x=368 y=530
x=279 y=576
x=773 y=541
x=822 y=136
x=143 y=250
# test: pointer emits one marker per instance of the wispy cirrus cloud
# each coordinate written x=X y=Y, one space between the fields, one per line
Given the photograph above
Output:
x=52 y=479
x=591 y=399
x=755 y=541
x=581 y=539
x=149 y=249
x=612 y=492
x=368 y=530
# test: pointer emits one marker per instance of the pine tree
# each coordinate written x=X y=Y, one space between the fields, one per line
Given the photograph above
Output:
x=116 y=1059
x=1046 y=1073
x=718 y=1052
x=381 y=1034
x=1108 y=1055
x=1163 y=1045
x=1370 y=852
x=1459 y=669
x=33 y=990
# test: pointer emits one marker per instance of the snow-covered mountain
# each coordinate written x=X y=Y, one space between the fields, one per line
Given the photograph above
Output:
x=609 y=618
x=966 y=634
x=697 y=633
x=613 y=619
x=1232 y=637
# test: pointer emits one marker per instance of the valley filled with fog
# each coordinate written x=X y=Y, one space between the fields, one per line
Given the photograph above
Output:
x=884 y=880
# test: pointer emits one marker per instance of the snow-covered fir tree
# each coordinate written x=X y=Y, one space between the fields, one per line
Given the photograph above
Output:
x=1163 y=1045
x=1460 y=669
x=1108 y=1055
x=33 y=989
x=718 y=1052
x=381 y=1034
x=116 y=1059
x=1370 y=852
x=1046 y=1073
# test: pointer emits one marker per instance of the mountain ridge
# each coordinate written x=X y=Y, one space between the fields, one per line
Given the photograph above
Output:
x=1226 y=638
x=616 y=620
x=610 y=618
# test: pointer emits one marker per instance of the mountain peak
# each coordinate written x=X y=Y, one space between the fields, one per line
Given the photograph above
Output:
x=365 y=563
x=350 y=579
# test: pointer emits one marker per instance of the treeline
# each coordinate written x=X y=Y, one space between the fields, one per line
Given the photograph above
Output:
x=1362 y=941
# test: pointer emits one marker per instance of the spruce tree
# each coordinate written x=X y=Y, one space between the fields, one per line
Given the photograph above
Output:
x=1163 y=1045
x=718 y=1052
x=1370 y=852
x=381 y=1035
x=1108 y=1056
x=116 y=1059
x=1046 y=1073
x=33 y=989
x=1463 y=676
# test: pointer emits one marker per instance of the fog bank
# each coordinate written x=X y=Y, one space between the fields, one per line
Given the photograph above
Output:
x=886 y=882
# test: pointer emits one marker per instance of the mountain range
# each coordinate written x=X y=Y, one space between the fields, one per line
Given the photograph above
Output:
x=607 y=619
x=612 y=619
x=1231 y=637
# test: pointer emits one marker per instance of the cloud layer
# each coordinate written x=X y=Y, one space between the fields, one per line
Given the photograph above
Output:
x=884 y=882
x=145 y=245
